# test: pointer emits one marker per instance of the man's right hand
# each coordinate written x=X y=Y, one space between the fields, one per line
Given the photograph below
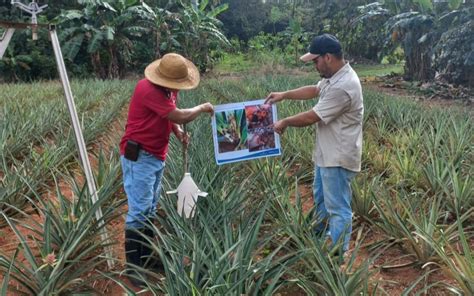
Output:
x=207 y=108
x=275 y=97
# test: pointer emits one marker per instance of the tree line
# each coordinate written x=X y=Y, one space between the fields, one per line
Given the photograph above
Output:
x=110 y=38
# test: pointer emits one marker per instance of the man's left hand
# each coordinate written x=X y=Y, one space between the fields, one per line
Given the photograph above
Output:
x=280 y=126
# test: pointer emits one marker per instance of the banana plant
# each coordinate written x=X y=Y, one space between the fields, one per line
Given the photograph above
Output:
x=198 y=32
x=107 y=30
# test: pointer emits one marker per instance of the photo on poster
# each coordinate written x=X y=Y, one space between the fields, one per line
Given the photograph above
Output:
x=243 y=131
x=231 y=130
x=259 y=120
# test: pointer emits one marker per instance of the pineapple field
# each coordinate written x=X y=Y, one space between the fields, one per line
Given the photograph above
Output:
x=413 y=201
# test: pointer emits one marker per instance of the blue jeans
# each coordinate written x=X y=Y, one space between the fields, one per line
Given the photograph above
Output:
x=142 y=183
x=332 y=197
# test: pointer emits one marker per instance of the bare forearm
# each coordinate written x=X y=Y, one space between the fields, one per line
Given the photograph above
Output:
x=299 y=120
x=188 y=115
x=302 y=119
x=302 y=93
x=182 y=116
x=176 y=128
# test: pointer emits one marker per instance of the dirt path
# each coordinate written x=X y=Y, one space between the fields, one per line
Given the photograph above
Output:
x=443 y=98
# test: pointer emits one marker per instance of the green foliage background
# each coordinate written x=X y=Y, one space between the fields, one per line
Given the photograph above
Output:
x=115 y=38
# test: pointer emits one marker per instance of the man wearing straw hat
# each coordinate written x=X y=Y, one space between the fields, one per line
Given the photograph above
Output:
x=338 y=118
x=152 y=116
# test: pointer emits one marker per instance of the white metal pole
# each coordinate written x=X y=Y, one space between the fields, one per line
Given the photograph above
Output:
x=79 y=139
x=7 y=36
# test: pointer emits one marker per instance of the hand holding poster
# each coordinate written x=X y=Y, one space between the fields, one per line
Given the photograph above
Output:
x=243 y=131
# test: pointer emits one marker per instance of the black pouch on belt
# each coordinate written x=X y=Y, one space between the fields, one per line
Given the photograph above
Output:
x=131 y=150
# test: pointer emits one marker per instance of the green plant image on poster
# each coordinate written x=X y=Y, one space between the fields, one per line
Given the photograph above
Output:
x=231 y=130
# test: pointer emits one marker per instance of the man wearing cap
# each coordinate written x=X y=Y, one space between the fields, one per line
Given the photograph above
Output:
x=338 y=118
x=152 y=116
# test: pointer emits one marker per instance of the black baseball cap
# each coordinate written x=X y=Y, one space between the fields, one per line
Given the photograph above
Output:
x=320 y=45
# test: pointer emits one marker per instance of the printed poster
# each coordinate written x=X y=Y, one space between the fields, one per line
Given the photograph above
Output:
x=243 y=131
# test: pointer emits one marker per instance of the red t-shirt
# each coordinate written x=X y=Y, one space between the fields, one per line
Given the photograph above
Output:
x=147 y=123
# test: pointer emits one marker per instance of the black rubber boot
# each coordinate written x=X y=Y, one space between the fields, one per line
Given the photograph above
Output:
x=133 y=255
x=150 y=260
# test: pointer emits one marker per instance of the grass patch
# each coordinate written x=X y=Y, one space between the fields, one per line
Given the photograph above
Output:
x=231 y=63
x=241 y=62
x=377 y=70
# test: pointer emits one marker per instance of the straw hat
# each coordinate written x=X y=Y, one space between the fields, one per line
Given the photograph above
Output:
x=173 y=71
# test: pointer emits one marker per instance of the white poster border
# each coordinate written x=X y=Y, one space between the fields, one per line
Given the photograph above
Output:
x=244 y=154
